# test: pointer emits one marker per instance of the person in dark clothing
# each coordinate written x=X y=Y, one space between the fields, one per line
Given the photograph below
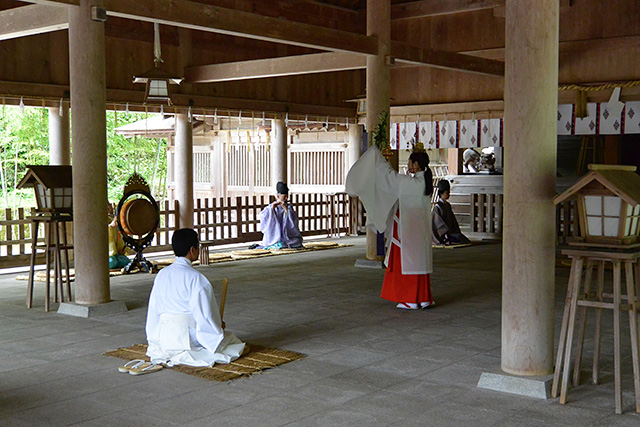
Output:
x=446 y=230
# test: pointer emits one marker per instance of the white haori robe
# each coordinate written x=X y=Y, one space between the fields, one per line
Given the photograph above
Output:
x=382 y=191
x=183 y=320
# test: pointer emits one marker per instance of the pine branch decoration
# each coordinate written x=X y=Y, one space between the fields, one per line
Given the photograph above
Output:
x=380 y=134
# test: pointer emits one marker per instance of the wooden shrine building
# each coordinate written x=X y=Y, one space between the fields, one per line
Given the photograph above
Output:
x=443 y=68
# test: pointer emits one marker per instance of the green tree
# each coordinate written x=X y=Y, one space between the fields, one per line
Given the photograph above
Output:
x=24 y=141
x=128 y=155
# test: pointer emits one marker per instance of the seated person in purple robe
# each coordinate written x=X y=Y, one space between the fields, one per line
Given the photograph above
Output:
x=446 y=230
x=279 y=222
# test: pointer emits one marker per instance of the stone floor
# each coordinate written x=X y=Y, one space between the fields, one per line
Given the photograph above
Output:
x=367 y=363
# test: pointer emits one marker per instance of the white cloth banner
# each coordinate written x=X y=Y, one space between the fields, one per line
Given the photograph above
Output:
x=565 y=119
x=427 y=135
x=588 y=125
x=609 y=124
x=632 y=117
x=407 y=138
x=393 y=136
x=490 y=134
x=468 y=134
x=448 y=134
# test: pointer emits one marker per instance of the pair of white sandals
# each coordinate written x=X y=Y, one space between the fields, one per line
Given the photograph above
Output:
x=414 y=306
x=139 y=367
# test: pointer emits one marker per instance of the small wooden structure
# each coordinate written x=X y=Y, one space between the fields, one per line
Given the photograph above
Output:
x=608 y=208
x=54 y=199
x=52 y=185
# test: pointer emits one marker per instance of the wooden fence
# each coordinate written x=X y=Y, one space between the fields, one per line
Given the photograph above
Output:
x=237 y=219
x=222 y=221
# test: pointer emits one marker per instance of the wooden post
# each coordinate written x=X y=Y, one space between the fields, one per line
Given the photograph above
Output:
x=184 y=170
x=454 y=161
x=378 y=81
x=531 y=99
x=59 y=141
x=88 y=103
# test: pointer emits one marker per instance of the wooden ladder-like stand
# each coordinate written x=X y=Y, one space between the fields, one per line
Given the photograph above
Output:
x=54 y=249
x=580 y=297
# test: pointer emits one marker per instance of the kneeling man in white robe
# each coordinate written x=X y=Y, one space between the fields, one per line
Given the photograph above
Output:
x=183 y=321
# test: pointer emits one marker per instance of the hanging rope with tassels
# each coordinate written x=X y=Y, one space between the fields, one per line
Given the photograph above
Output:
x=581 y=93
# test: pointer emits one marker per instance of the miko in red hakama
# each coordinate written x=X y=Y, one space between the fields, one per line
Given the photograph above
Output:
x=398 y=287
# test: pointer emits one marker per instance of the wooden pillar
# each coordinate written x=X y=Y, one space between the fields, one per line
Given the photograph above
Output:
x=278 y=152
x=531 y=98
x=378 y=80
x=183 y=170
x=88 y=103
x=354 y=144
x=454 y=160
x=59 y=142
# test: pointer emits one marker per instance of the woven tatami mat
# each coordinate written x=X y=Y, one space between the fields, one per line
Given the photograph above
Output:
x=454 y=246
x=260 y=253
x=41 y=276
x=257 y=359
x=214 y=258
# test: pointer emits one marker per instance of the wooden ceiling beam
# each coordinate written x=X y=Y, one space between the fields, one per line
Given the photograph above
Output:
x=203 y=17
x=275 y=67
x=34 y=93
x=415 y=55
x=500 y=12
x=569 y=46
x=196 y=16
x=336 y=61
x=426 y=8
x=32 y=19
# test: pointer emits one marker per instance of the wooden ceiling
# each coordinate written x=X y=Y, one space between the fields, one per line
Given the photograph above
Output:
x=247 y=54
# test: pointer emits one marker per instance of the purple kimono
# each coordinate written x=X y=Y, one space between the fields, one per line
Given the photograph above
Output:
x=279 y=228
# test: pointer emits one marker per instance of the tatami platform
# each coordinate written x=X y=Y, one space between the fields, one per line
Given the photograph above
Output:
x=367 y=363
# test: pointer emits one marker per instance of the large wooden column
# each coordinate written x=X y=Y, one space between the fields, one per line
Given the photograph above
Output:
x=278 y=152
x=59 y=143
x=355 y=144
x=183 y=171
x=88 y=103
x=531 y=99
x=378 y=79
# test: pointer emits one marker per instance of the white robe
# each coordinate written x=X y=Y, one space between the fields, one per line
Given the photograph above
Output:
x=183 y=320
x=382 y=190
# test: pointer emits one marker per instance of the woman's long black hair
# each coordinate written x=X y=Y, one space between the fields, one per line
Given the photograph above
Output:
x=423 y=161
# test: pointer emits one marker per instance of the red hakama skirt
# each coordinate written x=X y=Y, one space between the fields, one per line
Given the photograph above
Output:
x=398 y=287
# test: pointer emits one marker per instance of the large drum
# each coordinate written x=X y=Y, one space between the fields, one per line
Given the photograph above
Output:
x=138 y=217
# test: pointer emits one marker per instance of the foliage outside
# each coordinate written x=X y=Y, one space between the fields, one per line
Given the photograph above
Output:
x=24 y=140
x=381 y=132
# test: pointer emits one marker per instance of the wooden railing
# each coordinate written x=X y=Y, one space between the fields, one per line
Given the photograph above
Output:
x=485 y=218
x=237 y=219
x=15 y=237
x=314 y=166
x=223 y=221
x=486 y=215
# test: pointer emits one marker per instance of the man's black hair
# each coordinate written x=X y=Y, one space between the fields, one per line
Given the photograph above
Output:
x=183 y=240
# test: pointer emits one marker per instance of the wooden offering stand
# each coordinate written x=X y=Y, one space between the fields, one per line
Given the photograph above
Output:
x=609 y=213
x=54 y=207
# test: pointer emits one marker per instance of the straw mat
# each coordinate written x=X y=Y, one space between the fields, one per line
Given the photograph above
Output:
x=214 y=258
x=454 y=246
x=257 y=359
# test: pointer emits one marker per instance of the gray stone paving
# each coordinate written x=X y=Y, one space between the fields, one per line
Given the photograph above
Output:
x=367 y=363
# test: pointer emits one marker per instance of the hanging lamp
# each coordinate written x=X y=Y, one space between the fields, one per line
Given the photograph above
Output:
x=158 y=80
